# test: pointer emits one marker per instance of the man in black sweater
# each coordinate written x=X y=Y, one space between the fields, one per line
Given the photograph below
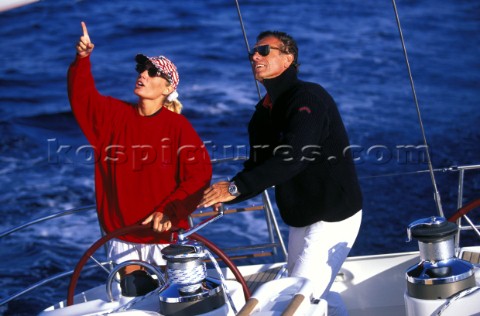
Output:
x=298 y=144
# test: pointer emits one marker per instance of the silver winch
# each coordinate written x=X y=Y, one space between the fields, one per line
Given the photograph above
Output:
x=439 y=274
x=189 y=291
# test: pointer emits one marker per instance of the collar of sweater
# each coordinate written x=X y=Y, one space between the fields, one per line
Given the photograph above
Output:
x=280 y=84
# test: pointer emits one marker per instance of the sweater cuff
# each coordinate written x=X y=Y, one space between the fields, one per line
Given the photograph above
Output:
x=80 y=60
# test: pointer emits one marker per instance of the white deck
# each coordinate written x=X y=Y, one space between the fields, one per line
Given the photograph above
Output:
x=375 y=285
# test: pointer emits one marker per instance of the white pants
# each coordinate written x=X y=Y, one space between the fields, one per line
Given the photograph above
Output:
x=120 y=251
x=317 y=252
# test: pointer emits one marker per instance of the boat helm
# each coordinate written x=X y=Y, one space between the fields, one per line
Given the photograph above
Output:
x=439 y=274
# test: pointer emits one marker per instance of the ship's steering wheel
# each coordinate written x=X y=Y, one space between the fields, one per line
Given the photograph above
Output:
x=122 y=231
x=464 y=210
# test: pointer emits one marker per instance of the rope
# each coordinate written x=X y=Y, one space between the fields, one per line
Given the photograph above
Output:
x=191 y=279
x=222 y=278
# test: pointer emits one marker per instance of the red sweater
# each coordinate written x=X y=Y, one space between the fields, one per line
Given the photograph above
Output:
x=142 y=163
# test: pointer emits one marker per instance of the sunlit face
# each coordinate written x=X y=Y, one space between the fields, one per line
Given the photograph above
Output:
x=152 y=88
x=272 y=65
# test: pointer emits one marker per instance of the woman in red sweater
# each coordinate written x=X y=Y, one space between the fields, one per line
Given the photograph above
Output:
x=151 y=167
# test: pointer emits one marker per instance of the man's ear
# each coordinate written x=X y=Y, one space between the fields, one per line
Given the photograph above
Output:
x=288 y=60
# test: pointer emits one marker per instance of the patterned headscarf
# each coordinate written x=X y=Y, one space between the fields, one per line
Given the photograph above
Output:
x=164 y=67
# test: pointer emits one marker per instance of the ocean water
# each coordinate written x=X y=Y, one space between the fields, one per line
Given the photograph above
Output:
x=352 y=48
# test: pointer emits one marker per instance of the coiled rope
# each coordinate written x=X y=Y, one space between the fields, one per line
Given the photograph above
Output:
x=188 y=275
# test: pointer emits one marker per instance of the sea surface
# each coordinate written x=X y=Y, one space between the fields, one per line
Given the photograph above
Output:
x=352 y=48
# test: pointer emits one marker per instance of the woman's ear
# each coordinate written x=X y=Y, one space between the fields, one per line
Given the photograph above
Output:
x=168 y=90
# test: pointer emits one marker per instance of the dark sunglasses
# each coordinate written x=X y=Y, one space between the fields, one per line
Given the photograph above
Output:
x=263 y=50
x=152 y=71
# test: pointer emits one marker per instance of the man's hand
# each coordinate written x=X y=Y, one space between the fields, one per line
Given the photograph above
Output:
x=84 y=45
x=215 y=194
x=159 y=221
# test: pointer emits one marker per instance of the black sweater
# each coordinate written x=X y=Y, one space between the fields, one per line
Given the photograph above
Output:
x=300 y=146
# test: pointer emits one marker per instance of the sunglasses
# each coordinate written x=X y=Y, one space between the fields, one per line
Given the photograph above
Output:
x=152 y=71
x=263 y=50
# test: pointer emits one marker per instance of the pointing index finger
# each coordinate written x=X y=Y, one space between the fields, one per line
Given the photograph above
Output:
x=85 y=31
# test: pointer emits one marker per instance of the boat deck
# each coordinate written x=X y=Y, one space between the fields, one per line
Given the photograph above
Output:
x=473 y=257
x=257 y=279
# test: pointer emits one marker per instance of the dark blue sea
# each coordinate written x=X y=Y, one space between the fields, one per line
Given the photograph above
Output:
x=352 y=48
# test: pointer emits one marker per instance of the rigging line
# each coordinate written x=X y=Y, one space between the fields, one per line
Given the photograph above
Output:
x=265 y=197
x=430 y=167
x=248 y=46
x=386 y=175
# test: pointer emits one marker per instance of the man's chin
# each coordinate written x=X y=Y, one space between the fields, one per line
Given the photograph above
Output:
x=259 y=78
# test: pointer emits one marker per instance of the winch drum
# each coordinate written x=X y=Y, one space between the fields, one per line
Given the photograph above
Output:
x=439 y=274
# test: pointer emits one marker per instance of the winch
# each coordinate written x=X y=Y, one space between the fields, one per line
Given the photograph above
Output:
x=189 y=291
x=440 y=274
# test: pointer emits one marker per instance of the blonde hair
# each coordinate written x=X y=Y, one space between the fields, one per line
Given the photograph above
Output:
x=174 y=106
